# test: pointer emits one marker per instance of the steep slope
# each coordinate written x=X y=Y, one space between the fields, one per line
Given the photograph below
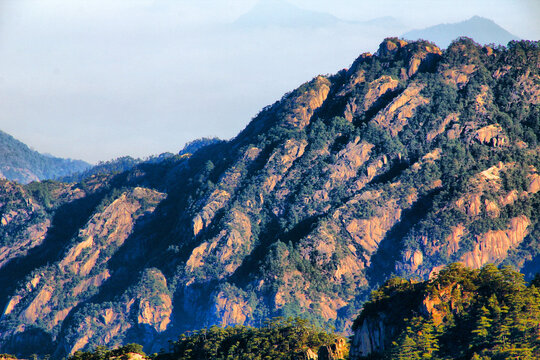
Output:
x=484 y=31
x=410 y=159
x=19 y=163
x=459 y=314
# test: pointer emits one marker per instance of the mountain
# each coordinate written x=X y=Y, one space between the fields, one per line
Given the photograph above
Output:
x=482 y=30
x=280 y=13
x=459 y=314
x=20 y=163
x=411 y=159
x=283 y=14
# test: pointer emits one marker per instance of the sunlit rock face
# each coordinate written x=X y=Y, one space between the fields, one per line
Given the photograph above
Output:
x=410 y=159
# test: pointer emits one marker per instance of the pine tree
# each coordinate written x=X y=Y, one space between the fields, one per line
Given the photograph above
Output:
x=480 y=335
x=427 y=341
x=502 y=327
x=406 y=347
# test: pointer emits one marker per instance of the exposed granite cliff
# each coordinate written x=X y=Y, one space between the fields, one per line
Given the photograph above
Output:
x=410 y=159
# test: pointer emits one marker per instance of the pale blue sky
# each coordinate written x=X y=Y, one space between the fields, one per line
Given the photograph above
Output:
x=104 y=78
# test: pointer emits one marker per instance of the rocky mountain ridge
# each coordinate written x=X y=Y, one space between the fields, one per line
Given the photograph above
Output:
x=410 y=159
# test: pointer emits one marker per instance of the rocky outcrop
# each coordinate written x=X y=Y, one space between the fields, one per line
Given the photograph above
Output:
x=452 y=117
x=494 y=245
x=370 y=336
x=454 y=238
x=215 y=202
x=30 y=238
x=368 y=233
x=304 y=102
x=231 y=309
x=534 y=182
x=491 y=135
x=486 y=181
x=378 y=88
x=155 y=309
x=459 y=77
x=424 y=56
x=218 y=199
x=148 y=312
x=390 y=47
x=395 y=115
x=348 y=161
x=80 y=270
x=528 y=87
x=224 y=245
x=337 y=351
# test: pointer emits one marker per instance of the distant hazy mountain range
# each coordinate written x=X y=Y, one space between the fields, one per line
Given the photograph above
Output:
x=280 y=13
x=20 y=163
x=482 y=30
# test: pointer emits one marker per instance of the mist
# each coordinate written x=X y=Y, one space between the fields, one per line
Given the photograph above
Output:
x=102 y=79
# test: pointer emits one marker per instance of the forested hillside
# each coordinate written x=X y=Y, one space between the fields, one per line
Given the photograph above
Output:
x=460 y=314
x=411 y=159
x=20 y=163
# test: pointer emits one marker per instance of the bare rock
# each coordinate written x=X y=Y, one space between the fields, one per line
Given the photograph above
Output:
x=377 y=88
x=390 y=47
x=491 y=135
x=494 y=245
x=396 y=114
x=337 y=351
x=459 y=77
x=303 y=103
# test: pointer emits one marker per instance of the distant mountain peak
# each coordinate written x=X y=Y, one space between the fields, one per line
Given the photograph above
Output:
x=280 y=13
x=481 y=29
x=283 y=14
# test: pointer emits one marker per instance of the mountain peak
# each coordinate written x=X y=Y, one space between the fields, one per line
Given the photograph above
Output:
x=280 y=13
x=482 y=30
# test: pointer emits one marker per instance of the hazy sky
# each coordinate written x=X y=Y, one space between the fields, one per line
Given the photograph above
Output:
x=99 y=79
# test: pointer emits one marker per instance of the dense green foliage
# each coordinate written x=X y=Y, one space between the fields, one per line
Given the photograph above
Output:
x=278 y=339
x=102 y=353
x=489 y=313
